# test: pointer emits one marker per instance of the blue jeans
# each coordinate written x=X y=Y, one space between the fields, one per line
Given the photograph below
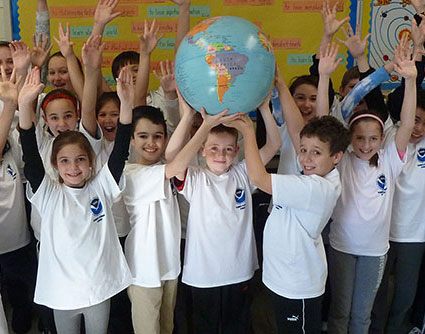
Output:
x=354 y=282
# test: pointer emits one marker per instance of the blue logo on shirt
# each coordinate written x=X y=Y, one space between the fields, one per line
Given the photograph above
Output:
x=382 y=184
x=96 y=208
x=421 y=157
x=11 y=172
x=240 y=199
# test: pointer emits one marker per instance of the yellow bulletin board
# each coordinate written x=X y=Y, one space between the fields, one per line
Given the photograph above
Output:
x=293 y=26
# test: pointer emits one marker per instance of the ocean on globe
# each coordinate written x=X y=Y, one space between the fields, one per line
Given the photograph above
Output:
x=225 y=62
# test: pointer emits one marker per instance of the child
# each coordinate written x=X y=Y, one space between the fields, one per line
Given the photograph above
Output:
x=154 y=218
x=294 y=267
x=220 y=255
x=361 y=219
x=17 y=261
x=81 y=264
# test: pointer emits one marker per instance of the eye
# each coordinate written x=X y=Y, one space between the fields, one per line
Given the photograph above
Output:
x=374 y=138
x=80 y=159
x=63 y=72
x=63 y=161
x=157 y=137
x=54 y=118
x=214 y=149
x=313 y=98
x=229 y=150
x=143 y=136
x=303 y=150
x=315 y=152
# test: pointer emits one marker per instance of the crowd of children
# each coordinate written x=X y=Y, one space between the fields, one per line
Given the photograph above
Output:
x=128 y=211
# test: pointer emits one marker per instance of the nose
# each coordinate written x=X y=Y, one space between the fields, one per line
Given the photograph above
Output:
x=61 y=122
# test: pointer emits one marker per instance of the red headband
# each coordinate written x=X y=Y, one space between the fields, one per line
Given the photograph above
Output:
x=59 y=96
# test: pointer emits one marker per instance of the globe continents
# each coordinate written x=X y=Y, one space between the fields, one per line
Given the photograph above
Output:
x=225 y=62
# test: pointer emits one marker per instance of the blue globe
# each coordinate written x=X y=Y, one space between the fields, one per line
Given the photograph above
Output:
x=225 y=62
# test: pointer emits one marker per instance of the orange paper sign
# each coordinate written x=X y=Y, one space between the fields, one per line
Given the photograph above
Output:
x=308 y=6
x=164 y=26
x=248 y=2
x=286 y=43
x=88 y=11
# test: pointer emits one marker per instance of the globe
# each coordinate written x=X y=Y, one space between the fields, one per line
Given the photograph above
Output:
x=225 y=62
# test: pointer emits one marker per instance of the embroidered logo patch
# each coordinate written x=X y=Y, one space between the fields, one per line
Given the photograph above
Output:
x=96 y=208
x=240 y=199
x=382 y=184
x=11 y=172
x=421 y=157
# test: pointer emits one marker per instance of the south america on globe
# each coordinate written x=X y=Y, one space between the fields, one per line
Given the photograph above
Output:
x=225 y=62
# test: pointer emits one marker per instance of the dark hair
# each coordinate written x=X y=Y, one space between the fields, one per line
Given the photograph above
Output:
x=72 y=138
x=420 y=99
x=303 y=80
x=4 y=44
x=153 y=114
x=123 y=59
x=225 y=129
x=374 y=160
x=329 y=130
x=60 y=92
x=350 y=74
x=105 y=98
x=59 y=54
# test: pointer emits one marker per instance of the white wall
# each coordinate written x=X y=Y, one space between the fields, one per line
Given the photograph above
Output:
x=5 y=21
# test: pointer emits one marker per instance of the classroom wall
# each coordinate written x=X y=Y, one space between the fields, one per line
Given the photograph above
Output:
x=293 y=26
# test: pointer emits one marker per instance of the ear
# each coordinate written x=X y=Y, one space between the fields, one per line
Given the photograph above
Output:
x=337 y=157
x=132 y=142
x=202 y=151
x=44 y=117
x=383 y=135
x=237 y=150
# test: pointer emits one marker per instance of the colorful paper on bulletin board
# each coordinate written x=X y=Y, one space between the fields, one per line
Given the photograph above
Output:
x=293 y=26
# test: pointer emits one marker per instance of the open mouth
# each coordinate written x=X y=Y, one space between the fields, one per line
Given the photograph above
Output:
x=109 y=129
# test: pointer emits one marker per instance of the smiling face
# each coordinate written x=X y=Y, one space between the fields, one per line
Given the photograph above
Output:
x=6 y=60
x=366 y=138
x=149 y=141
x=219 y=150
x=305 y=98
x=73 y=165
x=58 y=74
x=108 y=119
x=60 y=116
x=418 y=132
x=315 y=156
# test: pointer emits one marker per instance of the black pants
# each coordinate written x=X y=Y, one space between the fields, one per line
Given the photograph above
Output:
x=297 y=316
x=224 y=309
x=19 y=269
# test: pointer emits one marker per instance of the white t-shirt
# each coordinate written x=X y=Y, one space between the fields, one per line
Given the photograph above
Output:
x=81 y=262
x=361 y=219
x=288 y=162
x=45 y=143
x=220 y=244
x=294 y=257
x=14 y=233
x=407 y=220
x=152 y=247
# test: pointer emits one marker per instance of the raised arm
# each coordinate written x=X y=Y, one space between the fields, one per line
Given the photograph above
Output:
x=182 y=133
x=66 y=48
x=327 y=65
x=34 y=169
x=177 y=167
x=105 y=12
x=119 y=153
x=148 y=43
x=9 y=96
x=407 y=69
x=273 y=139
x=21 y=56
x=183 y=24
x=42 y=31
x=92 y=59
x=292 y=114
x=257 y=173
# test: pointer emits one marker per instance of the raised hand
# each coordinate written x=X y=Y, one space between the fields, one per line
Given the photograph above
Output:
x=104 y=12
x=21 y=56
x=185 y=109
x=353 y=41
x=240 y=122
x=32 y=87
x=64 y=41
x=328 y=60
x=9 y=87
x=418 y=32
x=40 y=51
x=330 y=22
x=419 y=5
x=150 y=38
x=404 y=63
x=266 y=103
x=125 y=87
x=92 y=52
x=167 y=79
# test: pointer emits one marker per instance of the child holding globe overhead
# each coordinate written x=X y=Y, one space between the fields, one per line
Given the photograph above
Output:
x=220 y=255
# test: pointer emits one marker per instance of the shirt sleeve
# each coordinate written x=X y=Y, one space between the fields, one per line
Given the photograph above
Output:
x=170 y=108
x=360 y=90
x=42 y=25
